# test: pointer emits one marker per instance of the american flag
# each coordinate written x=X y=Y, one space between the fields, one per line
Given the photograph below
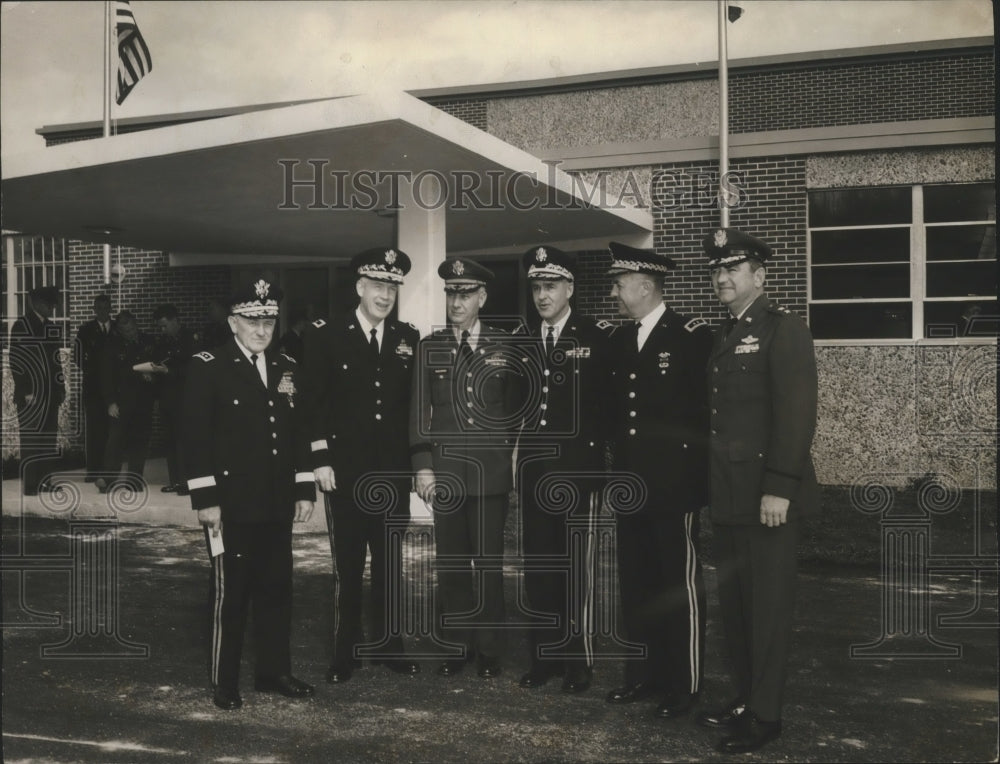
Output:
x=134 y=60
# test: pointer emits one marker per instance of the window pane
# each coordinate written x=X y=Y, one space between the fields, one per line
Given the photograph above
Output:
x=861 y=246
x=860 y=281
x=965 y=201
x=961 y=319
x=961 y=279
x=962 y=242
x=867 y=320
x=860 y=206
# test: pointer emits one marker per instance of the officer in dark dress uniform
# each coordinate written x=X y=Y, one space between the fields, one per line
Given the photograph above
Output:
x=246 y=458
x=356 y=390
x=467 y=394
x=659 y=405
x=562 y=443
x=90 y=341
x=39 y=387
x=762 y=375
x=173 y=352
x=129 y=396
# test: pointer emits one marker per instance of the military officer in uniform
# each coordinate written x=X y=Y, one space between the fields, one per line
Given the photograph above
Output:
x=246 y=458
x=762 y=375
x=39 y=387
x=90 y=341
x=356 y=389
x=466 y=406
x=562 y=443
x=659 y=407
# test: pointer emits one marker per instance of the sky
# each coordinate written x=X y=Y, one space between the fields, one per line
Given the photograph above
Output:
x=215 y=54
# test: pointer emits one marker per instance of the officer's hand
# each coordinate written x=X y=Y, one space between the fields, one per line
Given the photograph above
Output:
x=211 y=518
x=424 y=485
x=773 y=510
x=113 y=410
x=325 y=479
x=303 y=510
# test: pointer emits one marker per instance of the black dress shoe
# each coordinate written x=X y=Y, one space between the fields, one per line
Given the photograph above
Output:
x=227 y=699
x=339 y=673
x=168 y=488
x=577 y=679
x=630 y=693
x=750 y=735
x=489 y=666
x=286 y=685
x=399 y=665
x=677 y=705
x=540 y=673
x=723 y=718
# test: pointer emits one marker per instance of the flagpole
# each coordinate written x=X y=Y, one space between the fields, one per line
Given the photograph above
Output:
x=723 y=114
x=107 y=112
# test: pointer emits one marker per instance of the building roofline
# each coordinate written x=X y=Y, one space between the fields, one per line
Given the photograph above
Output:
x=623 y=77
x=707 y=69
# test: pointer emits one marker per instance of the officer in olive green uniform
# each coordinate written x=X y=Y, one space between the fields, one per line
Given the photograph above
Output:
x=762 y=380
x=466 y=406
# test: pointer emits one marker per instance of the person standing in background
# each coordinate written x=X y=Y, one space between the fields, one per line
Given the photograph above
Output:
x=173 y=353
x=90 y=341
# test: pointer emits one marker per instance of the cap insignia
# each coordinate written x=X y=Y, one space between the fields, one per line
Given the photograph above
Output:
x=262 y=288
x=390 y=257
x=458 y=268
x=541 y=255
x=720 y=238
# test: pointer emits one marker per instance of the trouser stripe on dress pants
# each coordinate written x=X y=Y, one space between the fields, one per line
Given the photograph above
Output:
x=588 y=578
x=336 y=577
x=690 y=573
x=218 y=570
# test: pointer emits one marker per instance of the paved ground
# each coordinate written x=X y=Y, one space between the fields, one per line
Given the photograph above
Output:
x=155 y=706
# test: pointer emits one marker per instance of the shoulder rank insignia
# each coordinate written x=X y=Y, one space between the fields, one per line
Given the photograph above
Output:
x=695 y=323
x=606 y=326
x=319 y=323
x=288 y=358
x=205 y=356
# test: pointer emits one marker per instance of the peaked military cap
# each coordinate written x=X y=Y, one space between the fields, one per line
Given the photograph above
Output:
x=728 y=246
x=548 y=263
x=626 y=259
x=461 y=275
x=256 y=299
x=382 y=264
x=47 y=294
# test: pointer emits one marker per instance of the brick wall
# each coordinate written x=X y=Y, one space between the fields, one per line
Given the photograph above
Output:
x=471 y=110
x=936 y=87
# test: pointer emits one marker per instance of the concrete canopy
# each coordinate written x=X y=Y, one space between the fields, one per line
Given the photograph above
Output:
x=308 y=180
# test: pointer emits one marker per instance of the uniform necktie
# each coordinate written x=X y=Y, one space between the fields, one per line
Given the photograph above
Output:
x=464 y=349
x=550 y=341
x=260 y=372
x=638 y=339
x=373 y=342
x=730 y=325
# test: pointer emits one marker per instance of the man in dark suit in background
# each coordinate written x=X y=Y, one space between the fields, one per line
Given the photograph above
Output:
x=561 y=449
x=467 y=403
x=660 y=407
x=246 y=458
x=39 y=387
x=763 y=390
x=173 y=354
x=90 y=341
x=356 y=390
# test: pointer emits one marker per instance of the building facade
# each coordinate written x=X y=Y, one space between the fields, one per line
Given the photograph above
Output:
x=870 y=171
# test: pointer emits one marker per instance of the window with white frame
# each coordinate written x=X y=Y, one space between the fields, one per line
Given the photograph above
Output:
x=30 y=262
x=903 y=262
